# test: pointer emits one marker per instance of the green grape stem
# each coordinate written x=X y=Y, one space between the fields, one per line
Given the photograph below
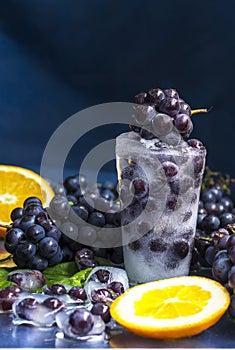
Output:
x=212 y=178
x=200 y=110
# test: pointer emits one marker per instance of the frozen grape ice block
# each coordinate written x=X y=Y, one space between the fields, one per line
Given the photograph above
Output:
x=159 y=188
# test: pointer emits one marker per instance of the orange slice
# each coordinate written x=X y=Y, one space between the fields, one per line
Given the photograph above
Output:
x=16 y=184
x=171 y=308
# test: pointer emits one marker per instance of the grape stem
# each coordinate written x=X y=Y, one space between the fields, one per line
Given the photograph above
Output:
x=200 y=110
x=201 y=238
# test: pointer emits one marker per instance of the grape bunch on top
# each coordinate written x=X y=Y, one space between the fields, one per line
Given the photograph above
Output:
x=159 y=113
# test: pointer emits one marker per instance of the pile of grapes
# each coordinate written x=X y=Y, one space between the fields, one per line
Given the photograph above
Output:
x=215 y=240
x=35 y=241
x=41 y=237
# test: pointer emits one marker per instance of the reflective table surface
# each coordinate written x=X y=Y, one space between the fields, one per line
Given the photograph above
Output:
x=221 y=335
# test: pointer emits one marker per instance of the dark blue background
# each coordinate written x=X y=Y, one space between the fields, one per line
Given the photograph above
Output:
x=60 y=56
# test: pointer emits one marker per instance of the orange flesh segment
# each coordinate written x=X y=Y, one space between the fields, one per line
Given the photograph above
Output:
x=154 y=302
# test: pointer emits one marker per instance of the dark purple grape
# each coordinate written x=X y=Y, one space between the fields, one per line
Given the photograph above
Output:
x=78 y=293
x=7 y=298
x=67 y=253
x=55 y=289
x=71 y=184
x=231 y=253
x=170 y=168
x=81 y=212
x=20 y=262
x=54 y=304
x=181 y=248
x=183 y=123
x=103 y=275
x=139 y=188
x=116 y=287
x=198 y=163
x=102 y=310
x=162 y=124
x=172 y=202
x=85 y=253
x=13 y=237
x=26 y=250
x=132 y=172
x=144 y=114
x=146 y=134
x=157 y=245
x=33 y=209
x=140 y=98
x=81 y=321
x=38 y=262
x=87 y=235
x=210 y=223
x=185 y=108
x=60 y=206
x=171 y=93
x=211 y=208
x=57 y=258
x=32 y=200
x=226 y=218
x=70 y=229
x=210 y=255
x=227 y=203
x=170 y=106
x=218 y=191
x=135 y=245
x=42 y=219
x=231 y=241
x=101 y=295
x=208 y=196
x=97 y=219
x=85 y=263
x=18 y=278
x=217 y=235
x=25 y=307
x=17 y=213
x=102 y=204
x=54 y=233
x=27 y=221
x=223 y=242
x=35 y=233
x=47 y=247
x=220 y=269
x=16 y=290
x=196 y=144
x=154 y=96
x=87 y=202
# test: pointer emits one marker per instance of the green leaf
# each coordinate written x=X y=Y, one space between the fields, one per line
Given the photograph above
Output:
x=66 y=269
x=5 y=283
x=66 y=273
x=3 y=273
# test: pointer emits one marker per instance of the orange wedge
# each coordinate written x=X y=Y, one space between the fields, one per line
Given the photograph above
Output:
x=16 y=184
x=171 y=308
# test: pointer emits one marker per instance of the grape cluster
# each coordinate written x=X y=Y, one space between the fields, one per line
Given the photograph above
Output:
x=215 y=235
x=34 y=240
x=159 y=113
x=81 y=213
